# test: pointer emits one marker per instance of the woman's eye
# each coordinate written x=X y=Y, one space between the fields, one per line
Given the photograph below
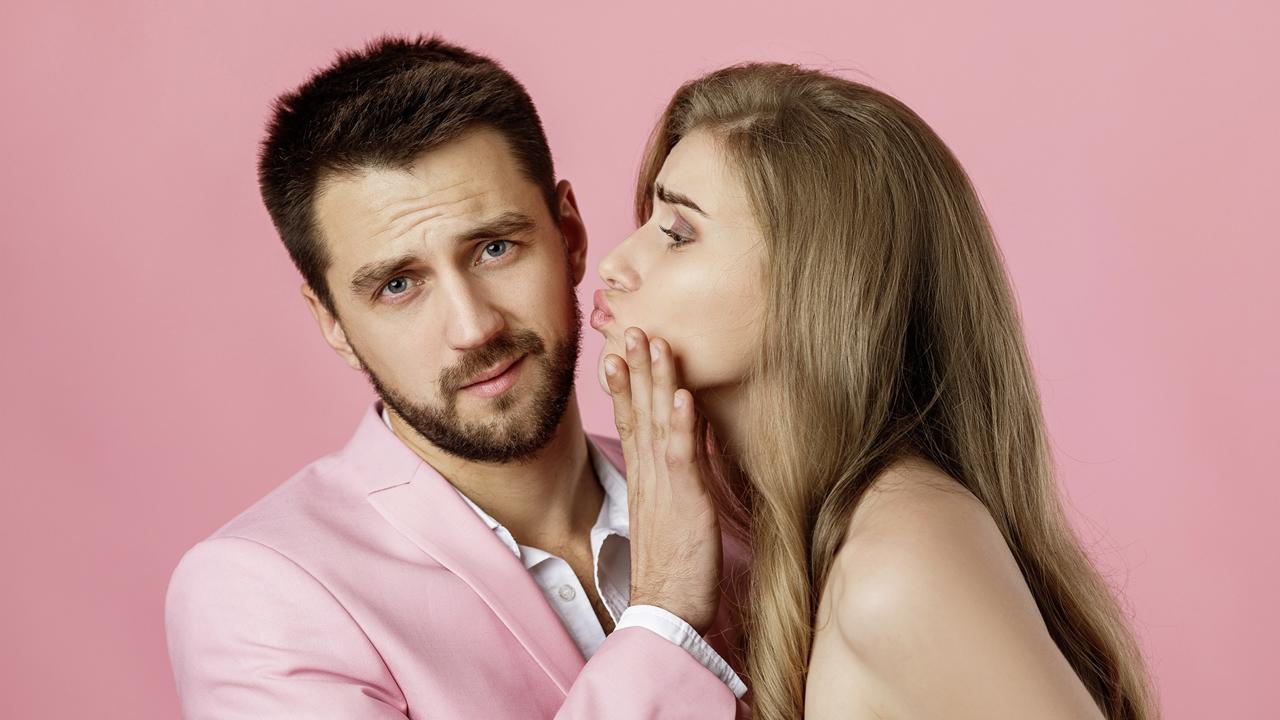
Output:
x=496 y=249
x=677 y=240
x=680 y=232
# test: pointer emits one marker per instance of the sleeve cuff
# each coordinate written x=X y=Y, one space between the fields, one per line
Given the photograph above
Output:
x=668 y=625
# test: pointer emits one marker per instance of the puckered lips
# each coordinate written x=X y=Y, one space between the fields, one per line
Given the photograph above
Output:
x=601 y=315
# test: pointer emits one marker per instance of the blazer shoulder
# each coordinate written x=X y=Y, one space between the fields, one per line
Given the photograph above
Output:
x=304 y=499
x=233 y=582
x=248 y=626
x=319 y=520
x=227 y=559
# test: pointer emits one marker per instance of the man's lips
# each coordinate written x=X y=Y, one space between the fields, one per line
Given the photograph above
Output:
x=494 y=371
x=601 y=315
x=497 y=379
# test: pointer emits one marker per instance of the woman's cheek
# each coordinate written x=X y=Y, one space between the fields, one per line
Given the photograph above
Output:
x=717 y=354
x=699 y=364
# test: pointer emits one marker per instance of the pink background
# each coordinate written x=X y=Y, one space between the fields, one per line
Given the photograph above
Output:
x=160 y=372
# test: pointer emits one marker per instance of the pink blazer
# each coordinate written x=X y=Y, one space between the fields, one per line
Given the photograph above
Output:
x=365 y=587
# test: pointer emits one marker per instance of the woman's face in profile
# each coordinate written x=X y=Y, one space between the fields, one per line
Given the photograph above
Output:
x=692 y=274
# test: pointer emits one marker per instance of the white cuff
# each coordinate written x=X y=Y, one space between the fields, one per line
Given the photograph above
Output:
x=671 y=627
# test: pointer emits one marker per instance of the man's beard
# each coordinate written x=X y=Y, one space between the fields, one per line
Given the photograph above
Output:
x=507 y=435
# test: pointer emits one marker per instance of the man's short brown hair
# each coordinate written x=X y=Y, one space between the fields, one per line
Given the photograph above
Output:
x=379 y=107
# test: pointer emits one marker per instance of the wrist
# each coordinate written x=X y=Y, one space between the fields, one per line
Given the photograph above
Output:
x=697 y=618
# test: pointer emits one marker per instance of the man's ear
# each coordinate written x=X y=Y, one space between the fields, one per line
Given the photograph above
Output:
x=573 y=230
x=331 y=328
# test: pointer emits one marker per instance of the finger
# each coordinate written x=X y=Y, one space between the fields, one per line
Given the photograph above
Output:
x=681 y=443
x=616 y=377
x=664 y=387
x=638 y=364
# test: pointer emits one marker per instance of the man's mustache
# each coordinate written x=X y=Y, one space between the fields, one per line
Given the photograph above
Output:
x=505 y=346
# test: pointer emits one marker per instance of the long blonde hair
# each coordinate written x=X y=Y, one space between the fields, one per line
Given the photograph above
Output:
x=890 y=330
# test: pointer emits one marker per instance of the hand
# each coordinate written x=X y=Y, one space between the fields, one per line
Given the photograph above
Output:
x=675 y=533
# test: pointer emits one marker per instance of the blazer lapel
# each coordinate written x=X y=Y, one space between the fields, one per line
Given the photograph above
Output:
x=423 y=506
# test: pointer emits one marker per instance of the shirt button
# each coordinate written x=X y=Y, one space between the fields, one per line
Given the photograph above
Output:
x=567 y=593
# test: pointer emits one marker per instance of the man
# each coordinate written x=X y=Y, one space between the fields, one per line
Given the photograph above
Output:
x=466 y=555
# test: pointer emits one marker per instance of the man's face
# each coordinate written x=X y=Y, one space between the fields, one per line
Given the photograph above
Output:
x=454 y=292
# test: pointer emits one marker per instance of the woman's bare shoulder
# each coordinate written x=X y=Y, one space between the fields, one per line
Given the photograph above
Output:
x=918 y=535
x=915 y=512
x=926 y=592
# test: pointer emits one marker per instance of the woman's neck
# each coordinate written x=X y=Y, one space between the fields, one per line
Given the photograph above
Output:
x=725 y=408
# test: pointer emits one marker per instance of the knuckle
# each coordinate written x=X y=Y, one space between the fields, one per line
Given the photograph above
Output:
x=660 y=434
x=625 y=429
x=674 y=461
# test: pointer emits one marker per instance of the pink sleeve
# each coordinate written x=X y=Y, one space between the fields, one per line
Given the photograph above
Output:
x=637 y=674
x=240 y=620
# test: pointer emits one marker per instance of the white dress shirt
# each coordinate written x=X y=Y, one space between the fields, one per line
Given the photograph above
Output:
x=611 y=558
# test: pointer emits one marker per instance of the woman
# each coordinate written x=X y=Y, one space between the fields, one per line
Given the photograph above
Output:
x=814 y=272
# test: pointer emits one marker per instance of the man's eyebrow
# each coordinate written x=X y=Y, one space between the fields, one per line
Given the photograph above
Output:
x=672 y=197
x=372 y=274
x=505 y=225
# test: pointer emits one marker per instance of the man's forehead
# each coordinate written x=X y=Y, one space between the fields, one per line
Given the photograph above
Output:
x=465 y=181
x=385 y=194
x=476 y=166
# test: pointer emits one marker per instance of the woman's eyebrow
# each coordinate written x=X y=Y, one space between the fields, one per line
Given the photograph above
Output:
x=672 y=197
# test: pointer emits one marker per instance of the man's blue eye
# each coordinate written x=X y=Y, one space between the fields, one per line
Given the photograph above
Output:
x=398 y=285
x=497 y=248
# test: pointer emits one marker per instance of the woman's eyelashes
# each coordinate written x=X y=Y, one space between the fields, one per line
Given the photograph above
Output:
x=680 y=232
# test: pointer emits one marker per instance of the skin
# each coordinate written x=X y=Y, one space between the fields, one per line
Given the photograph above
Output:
x=674 y=524
x=925 y=613
x=454 y=298
x=703 y=298
x=455 y=295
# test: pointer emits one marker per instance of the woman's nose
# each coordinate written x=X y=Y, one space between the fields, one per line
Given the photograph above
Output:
x=617 y=269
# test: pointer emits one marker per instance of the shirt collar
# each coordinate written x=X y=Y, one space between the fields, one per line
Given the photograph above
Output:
x=614 y=517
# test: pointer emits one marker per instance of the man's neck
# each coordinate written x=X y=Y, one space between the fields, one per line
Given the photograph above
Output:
x=548 y=500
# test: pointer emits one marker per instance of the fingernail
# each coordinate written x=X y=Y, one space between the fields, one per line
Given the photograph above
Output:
x=610 y=367
x=679 y=401
x=631 y=341
x=653 y=351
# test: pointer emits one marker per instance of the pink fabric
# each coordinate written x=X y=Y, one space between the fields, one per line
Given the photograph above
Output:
x=365 y=587
x=160 y=370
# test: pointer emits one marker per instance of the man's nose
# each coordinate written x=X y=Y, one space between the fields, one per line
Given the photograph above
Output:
x=473 y=320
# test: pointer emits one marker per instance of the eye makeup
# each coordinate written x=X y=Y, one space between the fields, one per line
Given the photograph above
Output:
x=680 y=232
